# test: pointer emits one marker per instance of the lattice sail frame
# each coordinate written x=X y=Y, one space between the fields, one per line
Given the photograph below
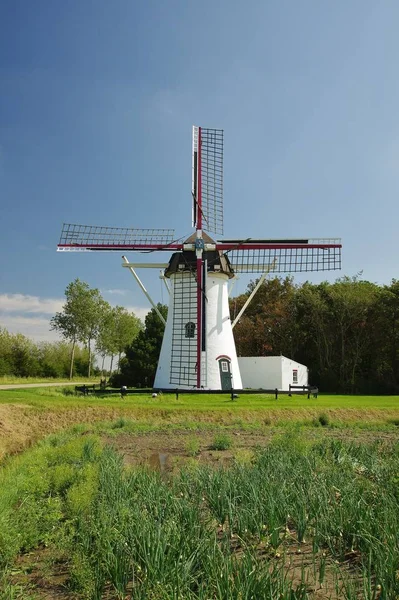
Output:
x=314 y=255
x=89 y=237
x=207 y=179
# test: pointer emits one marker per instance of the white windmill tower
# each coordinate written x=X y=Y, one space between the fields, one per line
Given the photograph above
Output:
x=198 y=349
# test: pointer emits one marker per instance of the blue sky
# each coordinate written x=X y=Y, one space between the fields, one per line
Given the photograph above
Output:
x=97 y=101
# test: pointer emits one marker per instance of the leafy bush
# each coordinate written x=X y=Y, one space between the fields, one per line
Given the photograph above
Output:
x=221 y=442
x=193 y=447
x=324 y=420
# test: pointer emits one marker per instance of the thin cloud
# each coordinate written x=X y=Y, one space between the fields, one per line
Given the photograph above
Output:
x=35 y=328
x=30 y=315
x=115 y=292
x=138 y=311
x=21 y=303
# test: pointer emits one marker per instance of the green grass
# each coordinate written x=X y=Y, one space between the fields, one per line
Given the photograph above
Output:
x=54 y=397
x=36 y=412
x=208 y=533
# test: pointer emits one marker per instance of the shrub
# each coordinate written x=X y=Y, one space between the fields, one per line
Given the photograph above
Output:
x=119 y=423
x=324 y=420
x=193 y=446
x=221 y=442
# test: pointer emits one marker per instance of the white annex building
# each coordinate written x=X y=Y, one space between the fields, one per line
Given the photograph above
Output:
x=271 y=372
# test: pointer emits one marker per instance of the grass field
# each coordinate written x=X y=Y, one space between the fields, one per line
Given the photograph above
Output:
x=199 y=498
x=26 y=415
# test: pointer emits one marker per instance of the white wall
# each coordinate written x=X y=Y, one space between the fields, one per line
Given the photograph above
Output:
x=288 y=366
x=220 y=340
x=259 y=372
x=270 y=372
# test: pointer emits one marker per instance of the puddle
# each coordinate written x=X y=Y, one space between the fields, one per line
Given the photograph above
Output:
x=159 y=461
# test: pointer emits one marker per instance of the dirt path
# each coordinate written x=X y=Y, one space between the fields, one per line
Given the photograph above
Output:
x=16 y=386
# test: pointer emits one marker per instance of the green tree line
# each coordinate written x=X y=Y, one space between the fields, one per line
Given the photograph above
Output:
x=87 y=324
x=346 y=332
x=22 y=357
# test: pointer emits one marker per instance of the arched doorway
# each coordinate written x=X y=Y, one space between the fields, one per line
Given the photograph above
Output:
x=225 y=373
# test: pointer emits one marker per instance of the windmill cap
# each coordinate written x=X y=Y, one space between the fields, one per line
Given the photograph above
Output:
x=217 y=262
x=207 y=239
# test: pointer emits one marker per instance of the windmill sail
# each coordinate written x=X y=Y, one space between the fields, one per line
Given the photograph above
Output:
x=90 y=237
x=283 y=256
x=207 y=179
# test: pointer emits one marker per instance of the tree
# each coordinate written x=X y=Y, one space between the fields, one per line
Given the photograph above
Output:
x=386 y=339
x=94 y=308
x=54 y=359
x=139 y=366
x=118 y=329
x=105 y=342
x=339 y=334
x=268 y=325
x=347 y=332
x=80 y=318
x=5 y=352
x=25 y=357
x=126 y=328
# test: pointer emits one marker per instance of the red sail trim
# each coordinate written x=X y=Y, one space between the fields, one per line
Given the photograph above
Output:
x=199 y=184
x=260 y=246
x=157 y=247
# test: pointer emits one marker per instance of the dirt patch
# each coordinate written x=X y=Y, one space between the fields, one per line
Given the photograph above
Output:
x=42 y=573
x=169 y=451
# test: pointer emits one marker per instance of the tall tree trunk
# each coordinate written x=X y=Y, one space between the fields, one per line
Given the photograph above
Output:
x=102 y=366
x=112 y=360
x=119 y=362
x=89 y=369
x=72 y=359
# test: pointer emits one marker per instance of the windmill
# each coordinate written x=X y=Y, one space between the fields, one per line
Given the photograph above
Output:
x=198 y=349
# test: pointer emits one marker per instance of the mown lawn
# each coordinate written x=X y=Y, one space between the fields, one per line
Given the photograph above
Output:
x=55 y=398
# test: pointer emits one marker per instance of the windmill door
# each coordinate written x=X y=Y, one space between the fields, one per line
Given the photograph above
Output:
x=225 y=374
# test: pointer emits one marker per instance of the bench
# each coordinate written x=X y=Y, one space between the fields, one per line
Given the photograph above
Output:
x=309 y=389
x=85 y=389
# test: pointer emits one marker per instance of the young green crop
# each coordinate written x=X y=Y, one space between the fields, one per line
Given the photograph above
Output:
x=211 y=533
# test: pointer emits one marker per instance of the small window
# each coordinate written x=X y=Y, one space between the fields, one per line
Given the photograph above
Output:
x=225 y=366
x=190 y=329
x=295 y=376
